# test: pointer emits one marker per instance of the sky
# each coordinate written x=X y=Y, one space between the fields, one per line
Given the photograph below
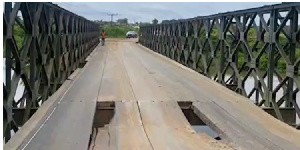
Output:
x=146 y=12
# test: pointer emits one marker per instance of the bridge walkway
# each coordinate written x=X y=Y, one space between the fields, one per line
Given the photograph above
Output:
x=145 y=88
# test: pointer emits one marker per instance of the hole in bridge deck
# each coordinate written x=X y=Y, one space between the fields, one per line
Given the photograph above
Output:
x=103 y=115
x=105 y=112
x=197 y=124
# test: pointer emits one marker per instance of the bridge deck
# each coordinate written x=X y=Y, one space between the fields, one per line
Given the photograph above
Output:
x=146 y=88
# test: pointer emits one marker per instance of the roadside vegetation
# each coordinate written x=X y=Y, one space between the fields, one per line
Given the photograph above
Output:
x=280 y=65
x=19 y=35
x=119 y=31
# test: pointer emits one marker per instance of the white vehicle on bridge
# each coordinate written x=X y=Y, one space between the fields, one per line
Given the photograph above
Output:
x=131 y=34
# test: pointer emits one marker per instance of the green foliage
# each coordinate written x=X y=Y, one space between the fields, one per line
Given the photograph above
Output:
x=214 y=36
x=19 y=35
x=123 y=21
x=241 y=59
x=263 y=63
x=144 y=23
x=281 y=66
x=256 y=45
x=298 y=53
x=154 y=21
x=118 y=31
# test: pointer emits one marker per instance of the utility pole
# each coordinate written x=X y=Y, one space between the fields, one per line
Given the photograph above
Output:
x=111 y=17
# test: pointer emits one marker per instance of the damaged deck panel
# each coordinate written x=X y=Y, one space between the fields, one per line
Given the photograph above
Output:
x=145 y=88
x=158 y=83
x=126 y=128
x=138 y=106
x=150 y=125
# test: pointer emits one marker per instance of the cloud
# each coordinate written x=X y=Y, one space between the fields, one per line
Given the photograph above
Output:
x=146 y=12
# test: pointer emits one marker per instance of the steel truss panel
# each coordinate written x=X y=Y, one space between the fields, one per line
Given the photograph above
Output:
x=54 y=42
x=260 y=44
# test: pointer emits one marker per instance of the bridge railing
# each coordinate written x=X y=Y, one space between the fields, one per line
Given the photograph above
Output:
x=255 y=52
x=43 y=45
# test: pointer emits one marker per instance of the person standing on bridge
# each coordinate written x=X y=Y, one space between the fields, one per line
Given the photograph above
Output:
x=103 y=35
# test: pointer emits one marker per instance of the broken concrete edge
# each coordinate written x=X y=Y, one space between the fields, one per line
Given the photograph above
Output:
x=209 y=123
x=29 y=129
x=225 y=138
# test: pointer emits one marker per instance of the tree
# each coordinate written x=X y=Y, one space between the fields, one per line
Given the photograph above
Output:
x=154 y=21
x=123 y=21
x=144 y=23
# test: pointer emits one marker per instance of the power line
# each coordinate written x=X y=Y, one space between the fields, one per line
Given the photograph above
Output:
x=111 y=17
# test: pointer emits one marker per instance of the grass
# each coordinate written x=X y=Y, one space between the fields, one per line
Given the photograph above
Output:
x=118 y=31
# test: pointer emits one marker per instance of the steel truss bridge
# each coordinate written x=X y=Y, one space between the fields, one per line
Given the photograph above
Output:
x=235 y=72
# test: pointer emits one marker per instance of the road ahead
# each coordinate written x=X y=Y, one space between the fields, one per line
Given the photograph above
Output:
x=146 y=87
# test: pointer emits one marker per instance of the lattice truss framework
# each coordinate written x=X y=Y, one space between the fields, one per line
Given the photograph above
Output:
x=260 y=44
x=54 y=44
